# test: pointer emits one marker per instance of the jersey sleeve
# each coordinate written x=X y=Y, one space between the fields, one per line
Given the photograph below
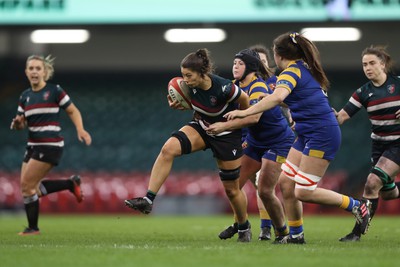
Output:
x=354 y=104
x=232 y=92
x=288 y=78
x=63 y=99
x=257 y=90
x=21 y=103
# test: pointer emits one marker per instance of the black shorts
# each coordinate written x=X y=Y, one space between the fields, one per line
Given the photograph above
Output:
x=389 y=150
x=49 y=154
x=226 y=147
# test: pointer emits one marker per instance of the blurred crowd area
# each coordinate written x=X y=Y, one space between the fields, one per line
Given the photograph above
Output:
x=185 y=192
x=129 y=119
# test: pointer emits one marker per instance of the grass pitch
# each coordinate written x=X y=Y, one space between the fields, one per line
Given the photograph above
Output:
x=136 y=240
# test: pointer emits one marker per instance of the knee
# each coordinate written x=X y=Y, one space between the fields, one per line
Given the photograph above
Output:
x=231 y=182
x=373 y=184
x=266 y=193
x=27 y=188
x=169 y=150
x=287 y=188
x=303 y=195
x=231 y=193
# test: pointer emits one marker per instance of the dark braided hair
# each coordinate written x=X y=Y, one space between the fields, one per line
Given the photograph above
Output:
x=199 y=61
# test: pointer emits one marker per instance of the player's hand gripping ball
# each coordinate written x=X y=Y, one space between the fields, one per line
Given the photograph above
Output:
x=178 y=90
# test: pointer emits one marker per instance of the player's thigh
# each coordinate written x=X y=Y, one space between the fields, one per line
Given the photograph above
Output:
x=269 y=173
x=294 y=156
x=313 y=165
x=34 y=172
x=249 y=168
x=389 y=166
x=194 y=137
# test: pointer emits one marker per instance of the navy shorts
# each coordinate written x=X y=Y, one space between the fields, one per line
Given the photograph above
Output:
x=276 y=153
x=226 y=147
x=49 y=154
x=388 y=150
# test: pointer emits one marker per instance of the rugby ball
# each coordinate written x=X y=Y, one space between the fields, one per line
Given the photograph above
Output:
x=178 y=90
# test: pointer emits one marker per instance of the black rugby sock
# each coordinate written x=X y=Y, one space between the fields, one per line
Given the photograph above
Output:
x=50 y=186
x=32 y=211
x=151 y=195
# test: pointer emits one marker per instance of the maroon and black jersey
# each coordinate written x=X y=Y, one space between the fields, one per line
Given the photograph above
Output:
x=381 y=104
x=41 y=110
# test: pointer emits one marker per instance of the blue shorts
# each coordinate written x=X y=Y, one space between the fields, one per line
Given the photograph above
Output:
x=276 y=153
x=321 y=143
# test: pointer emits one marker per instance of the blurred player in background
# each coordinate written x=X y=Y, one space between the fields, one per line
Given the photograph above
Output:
x=38 y=109
x=266 y=143
x=302 y=85
x=381 y=99
x=211 y=97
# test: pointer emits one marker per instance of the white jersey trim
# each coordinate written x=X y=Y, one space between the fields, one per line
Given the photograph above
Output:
x=383 y=105
x=52 y=128
x=384 y=138
x=60 y=144
x=41 y=111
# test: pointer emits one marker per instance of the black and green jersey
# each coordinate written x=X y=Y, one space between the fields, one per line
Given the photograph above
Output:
x=381 y=104
x=213 y=103
x=41 y=110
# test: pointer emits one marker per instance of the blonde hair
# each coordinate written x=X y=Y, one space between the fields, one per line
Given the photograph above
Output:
x=48 y=63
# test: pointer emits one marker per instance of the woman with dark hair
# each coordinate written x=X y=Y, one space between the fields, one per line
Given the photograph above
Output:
x=266 y=143
x=211 y=97
x=380 y=97
x=302 y=86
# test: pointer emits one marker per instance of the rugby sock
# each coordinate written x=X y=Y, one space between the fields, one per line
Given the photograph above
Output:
x=281 y=231
x=31 y=204
x=348 y=203
x=296 y=227
x=265 y=219
x=243 y=226
x=50 y=186
x=151 y=195
x=374 y=206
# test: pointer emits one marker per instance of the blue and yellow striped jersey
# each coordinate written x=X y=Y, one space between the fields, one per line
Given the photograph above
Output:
x=272 y=127
x=307 y=101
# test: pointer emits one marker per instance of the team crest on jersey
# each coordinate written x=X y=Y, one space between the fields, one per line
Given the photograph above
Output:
x=213 y=100
x=46 y=96
x=391 y=88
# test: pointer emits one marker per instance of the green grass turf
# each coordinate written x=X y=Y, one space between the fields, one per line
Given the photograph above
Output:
x=137 y=240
